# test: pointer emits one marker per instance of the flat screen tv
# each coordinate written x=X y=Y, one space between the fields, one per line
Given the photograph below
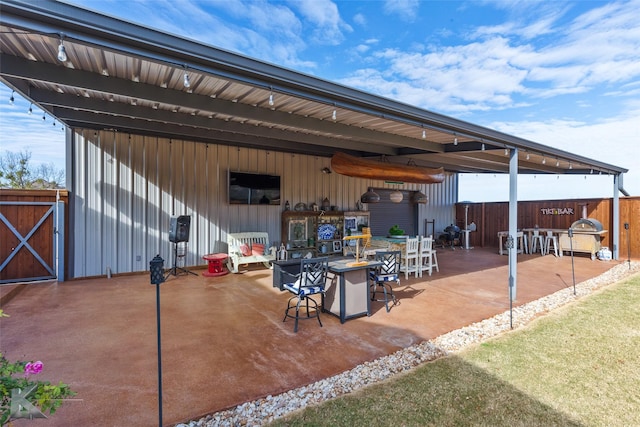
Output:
x=253 y=189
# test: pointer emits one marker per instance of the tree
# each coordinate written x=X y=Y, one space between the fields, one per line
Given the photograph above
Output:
x=17 y=172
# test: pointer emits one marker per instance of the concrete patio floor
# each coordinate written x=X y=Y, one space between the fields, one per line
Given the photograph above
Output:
x=223 y=339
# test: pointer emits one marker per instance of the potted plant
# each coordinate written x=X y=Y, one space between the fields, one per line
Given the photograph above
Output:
x=396 y=231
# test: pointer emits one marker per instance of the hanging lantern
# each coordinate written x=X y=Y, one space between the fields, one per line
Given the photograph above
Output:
x=370 y=197
x=396 y=196
x=420 y=198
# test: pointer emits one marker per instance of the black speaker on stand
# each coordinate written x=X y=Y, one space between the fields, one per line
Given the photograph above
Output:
x=179 y=228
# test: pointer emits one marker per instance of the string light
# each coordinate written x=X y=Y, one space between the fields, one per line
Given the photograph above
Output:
x=424 y=134
x=544 y=161
x=570 y=165
x=334 y=115
x=186 y=82
x=271 y=98
x=12 y=99
x=482 y=146
x=557 y=163
x=30 y=109
x=527 y=156
x=62 y=52
x=506 y=151
x=455 y=141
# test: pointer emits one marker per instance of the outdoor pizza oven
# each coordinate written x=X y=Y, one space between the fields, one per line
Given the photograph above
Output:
x=587 y=237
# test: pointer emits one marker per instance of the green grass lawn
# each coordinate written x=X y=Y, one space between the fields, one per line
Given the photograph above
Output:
x=577 y=366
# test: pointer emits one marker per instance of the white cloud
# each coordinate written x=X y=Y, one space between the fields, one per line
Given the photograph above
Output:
x=325 y=17
x=405 y=9
x=360 y=19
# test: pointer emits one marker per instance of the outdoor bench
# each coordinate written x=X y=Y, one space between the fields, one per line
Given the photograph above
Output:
x=249 y=248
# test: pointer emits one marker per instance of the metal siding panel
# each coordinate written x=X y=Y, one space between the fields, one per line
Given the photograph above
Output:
x=154 y=197
x=140 y=201
x=151 y=179
x=78 y=229
x=95 y=218
x=123 y=239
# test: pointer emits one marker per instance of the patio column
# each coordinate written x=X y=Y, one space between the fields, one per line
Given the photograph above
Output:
x=615 y=233
x=513 y=223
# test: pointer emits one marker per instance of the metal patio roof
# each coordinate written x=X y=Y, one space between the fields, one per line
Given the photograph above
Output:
x=130 y=78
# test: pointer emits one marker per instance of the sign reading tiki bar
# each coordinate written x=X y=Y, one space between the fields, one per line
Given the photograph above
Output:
x=556 y=211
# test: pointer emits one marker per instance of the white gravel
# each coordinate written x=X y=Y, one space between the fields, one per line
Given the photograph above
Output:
x=263 y=411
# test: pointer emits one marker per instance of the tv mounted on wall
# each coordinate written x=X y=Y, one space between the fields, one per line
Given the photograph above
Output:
x=253 y=189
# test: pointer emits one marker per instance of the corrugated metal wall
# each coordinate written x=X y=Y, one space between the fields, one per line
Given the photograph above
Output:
x=126 y=187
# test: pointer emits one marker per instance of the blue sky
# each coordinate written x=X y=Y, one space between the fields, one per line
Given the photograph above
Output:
x=564 y=74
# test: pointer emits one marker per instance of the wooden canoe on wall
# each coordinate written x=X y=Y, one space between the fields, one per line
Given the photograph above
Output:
x=348 y=165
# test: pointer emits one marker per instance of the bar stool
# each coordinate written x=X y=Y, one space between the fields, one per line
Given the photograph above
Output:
x=537 y=242
x=548 y=240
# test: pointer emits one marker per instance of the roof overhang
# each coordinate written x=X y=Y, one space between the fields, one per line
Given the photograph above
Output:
x=128 y=77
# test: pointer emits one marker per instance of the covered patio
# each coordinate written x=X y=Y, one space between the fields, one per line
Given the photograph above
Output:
x=223 y=339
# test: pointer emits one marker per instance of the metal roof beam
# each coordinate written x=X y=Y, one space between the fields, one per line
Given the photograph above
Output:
x=161 y=117
x=81 y=119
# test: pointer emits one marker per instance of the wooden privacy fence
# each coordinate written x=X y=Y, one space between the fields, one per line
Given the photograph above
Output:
x=490 y=218
x=28 y=228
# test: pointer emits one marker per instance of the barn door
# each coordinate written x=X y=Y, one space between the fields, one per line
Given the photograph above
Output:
x=32 y=241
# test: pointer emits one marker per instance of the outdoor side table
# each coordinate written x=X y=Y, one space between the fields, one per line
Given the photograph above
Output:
x=216 y=265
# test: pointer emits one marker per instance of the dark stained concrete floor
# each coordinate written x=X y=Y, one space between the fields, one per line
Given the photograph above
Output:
x=223 y=339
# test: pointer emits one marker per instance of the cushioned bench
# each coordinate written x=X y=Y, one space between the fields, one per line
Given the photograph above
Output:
x=249 y=248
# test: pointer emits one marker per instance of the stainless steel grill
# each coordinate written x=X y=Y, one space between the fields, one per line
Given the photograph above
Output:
x=587 y=237
x=587 y=225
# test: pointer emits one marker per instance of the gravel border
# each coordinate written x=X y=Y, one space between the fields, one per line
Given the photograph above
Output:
x=266 y=410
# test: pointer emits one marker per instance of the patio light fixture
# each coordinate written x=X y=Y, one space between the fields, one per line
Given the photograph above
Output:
x=396 y=196
x=370 y=197
x=156 y=270
x=420 y=198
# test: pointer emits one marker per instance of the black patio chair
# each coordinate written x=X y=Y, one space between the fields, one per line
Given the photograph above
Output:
x=310 y=281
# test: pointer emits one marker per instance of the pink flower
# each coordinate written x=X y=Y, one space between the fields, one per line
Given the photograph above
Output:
x=32 y=368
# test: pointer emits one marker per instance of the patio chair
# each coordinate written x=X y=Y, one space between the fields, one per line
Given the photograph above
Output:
x=549 y=240
x=385 y=274
x=411 y=258
x=310 y=281
x=537 y=243
x=428 y=260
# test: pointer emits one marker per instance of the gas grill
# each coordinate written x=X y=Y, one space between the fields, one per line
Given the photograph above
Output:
x=587 y=237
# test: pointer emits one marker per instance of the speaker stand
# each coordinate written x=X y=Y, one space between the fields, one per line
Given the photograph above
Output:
x=175 y=270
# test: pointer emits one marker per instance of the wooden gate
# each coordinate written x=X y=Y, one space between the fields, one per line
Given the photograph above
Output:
x=31 y=235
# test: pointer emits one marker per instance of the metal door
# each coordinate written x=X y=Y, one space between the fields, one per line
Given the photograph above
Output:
x=387 y=213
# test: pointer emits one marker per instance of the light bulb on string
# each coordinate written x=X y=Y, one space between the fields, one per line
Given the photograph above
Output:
x=12 y=99
x=62 y=52
x=185 y=81
x=30 y=109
